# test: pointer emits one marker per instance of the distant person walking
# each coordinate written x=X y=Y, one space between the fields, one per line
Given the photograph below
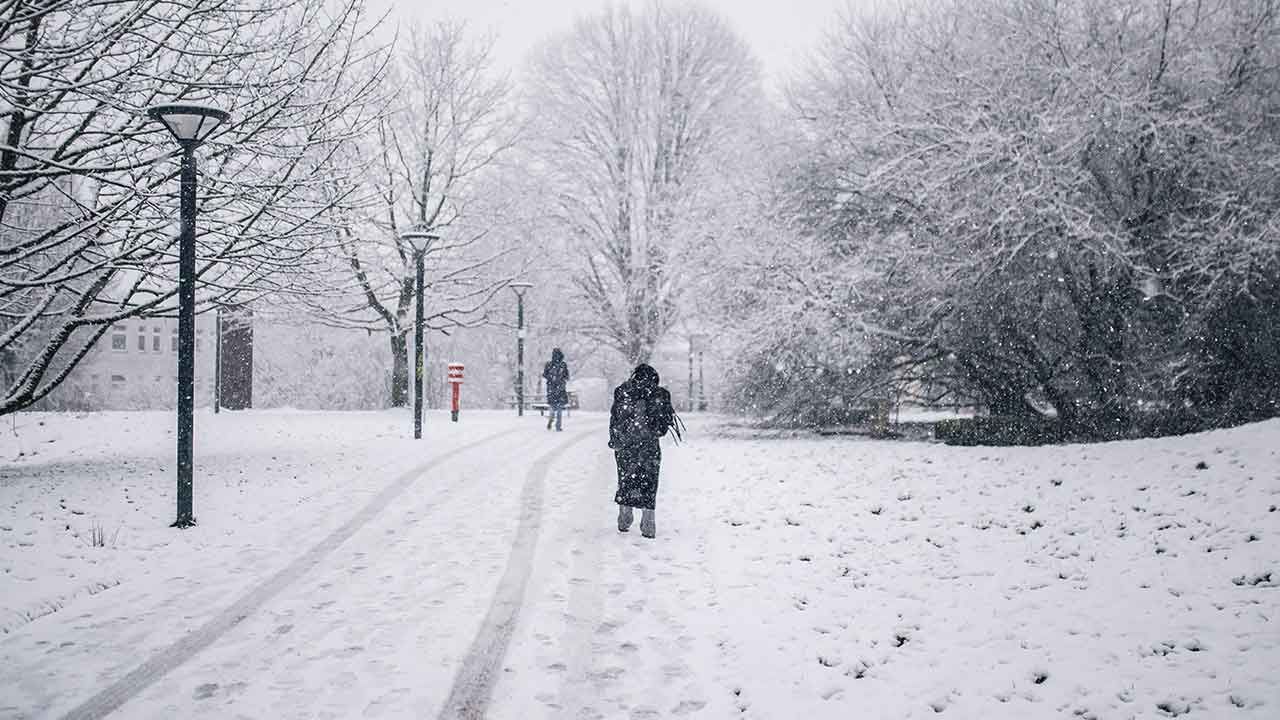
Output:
x=556 y=373
x=641 y=414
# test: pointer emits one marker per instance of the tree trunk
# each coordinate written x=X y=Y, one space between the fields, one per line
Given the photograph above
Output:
x=399 y=370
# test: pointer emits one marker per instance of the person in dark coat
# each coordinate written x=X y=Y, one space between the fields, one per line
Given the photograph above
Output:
x=641 y=414
x=556 y=373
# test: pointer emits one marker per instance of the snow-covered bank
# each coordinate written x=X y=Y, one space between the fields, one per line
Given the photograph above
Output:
x=842 y=577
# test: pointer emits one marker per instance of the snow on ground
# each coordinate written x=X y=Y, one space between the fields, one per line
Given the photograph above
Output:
x=792 y=576
x=64 y=477
x=837 y=578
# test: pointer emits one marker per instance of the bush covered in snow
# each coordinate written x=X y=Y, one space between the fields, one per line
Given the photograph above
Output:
x=1080 y=225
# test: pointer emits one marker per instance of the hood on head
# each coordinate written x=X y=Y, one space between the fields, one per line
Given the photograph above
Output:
x=556 y=355
x=645 y=375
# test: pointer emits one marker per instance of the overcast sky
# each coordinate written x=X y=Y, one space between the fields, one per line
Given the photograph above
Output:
x=780 y=31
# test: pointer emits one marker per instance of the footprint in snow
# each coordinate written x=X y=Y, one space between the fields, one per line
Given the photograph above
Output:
x=688 y=706
x=1173 y=708
x=608 y=674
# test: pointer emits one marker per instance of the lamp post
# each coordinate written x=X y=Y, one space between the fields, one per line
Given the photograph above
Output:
x=690 y=373
x=190 y=125
x=691 y=350
x=419 y=238
x=697 y=341
x=520 y=288
x=217 y=361
x=702 y=387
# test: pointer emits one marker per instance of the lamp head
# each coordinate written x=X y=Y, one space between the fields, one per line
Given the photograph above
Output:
x=519 y=286
x=420 y=237
x=190 y=124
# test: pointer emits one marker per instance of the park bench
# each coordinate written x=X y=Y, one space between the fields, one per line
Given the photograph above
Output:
x=539 y=402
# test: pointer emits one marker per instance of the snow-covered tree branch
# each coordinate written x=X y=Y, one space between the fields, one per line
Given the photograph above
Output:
x=639 y=113
x=88 y=184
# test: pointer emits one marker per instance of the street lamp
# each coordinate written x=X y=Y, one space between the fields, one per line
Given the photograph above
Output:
x=520 y=288
x=691 y=346
x=697 y=343
x=191 y=125
x=702 y=386
x=217 y=361
x=419 y=238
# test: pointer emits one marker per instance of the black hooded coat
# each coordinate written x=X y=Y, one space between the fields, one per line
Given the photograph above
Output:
x=556 y=373
x=641 y=414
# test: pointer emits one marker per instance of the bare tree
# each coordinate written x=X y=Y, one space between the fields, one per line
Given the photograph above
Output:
x=428 y=163
x=640 y=114
x=88 y=184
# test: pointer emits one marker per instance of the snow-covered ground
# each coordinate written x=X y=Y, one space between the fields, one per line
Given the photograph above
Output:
x=64 y=477
x=342 y=570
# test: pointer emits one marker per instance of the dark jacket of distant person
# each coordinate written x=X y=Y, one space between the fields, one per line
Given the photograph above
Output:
x=556 y=373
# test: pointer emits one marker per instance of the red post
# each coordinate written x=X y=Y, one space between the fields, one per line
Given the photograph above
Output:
x=455 y=379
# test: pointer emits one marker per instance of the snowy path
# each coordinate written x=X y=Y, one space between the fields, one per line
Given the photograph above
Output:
x=611 y=628
x=375 y=619
x=474 y=683
x=187 y=647
x=383 y=629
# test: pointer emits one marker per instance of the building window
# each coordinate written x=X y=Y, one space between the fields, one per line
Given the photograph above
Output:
x=117 y=380
x=119 y=342
x=142 y=342
x=173 y=341
x=155 y=342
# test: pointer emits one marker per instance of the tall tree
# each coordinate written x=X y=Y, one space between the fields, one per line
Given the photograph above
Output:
x=641 y=117
x=427 y=164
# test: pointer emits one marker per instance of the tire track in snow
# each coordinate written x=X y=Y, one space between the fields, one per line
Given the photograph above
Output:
x=124 y=689
x=473 y=685
x=585 y=603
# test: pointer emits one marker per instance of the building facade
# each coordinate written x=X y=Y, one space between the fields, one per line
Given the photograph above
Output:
x=135 y=367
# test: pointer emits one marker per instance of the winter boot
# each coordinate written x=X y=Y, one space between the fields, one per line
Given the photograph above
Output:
x=624 y=518
x=550 y=418
x=648 y=527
